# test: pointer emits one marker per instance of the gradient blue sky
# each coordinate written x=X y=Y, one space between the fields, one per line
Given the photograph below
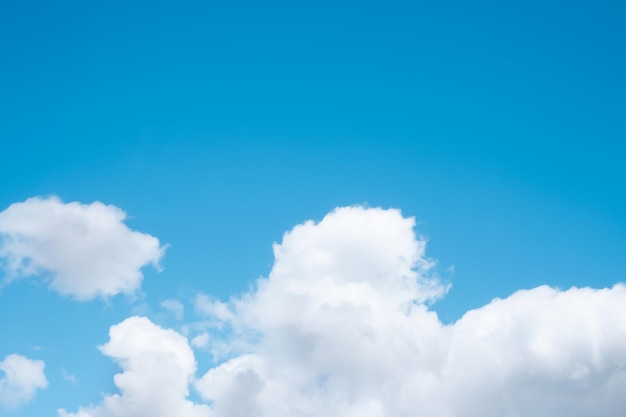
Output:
x=220 y=125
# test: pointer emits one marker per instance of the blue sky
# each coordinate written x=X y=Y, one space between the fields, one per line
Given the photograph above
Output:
x=218 y=127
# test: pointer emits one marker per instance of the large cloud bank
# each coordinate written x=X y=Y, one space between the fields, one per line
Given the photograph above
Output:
x=84 y=250
x=341 y=327
x=21 y=380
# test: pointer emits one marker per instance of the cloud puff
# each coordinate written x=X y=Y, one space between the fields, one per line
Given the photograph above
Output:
x=22 y=378
x=84 y=250
x=157 y=365
x=341 y=326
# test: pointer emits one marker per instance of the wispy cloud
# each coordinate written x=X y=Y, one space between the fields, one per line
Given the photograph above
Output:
x=69 y=377
x=175 y=307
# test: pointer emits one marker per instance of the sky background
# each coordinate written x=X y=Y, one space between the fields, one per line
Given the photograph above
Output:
x=219 y=126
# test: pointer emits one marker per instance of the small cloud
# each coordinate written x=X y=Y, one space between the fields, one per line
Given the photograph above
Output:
x=175 y=307
x=212 y=308
x=22 y=378
x=81 y=250
x=157 y=368
x=200 y=341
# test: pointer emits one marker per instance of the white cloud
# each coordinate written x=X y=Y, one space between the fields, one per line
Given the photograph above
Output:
x=175 y=307
x=200 y=341
x=83 y=250
x=22 y=378
x=541 y=352
x=210 y=307
x=157 y=366
x=341 y=326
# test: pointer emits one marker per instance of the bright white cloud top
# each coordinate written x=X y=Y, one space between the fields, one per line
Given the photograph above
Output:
x=21 y=380
x=157 y=365
x=341 y=327
x=83 y=250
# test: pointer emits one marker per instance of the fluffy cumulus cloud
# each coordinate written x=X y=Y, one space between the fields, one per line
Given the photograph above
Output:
x=21 y=380
x=82 y=250
x=342 y=326
x=157 y=367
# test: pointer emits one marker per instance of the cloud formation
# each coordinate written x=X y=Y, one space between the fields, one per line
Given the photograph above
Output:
x=21 y=380
x=341 y=326
x=157 y=366
x=82 y=250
